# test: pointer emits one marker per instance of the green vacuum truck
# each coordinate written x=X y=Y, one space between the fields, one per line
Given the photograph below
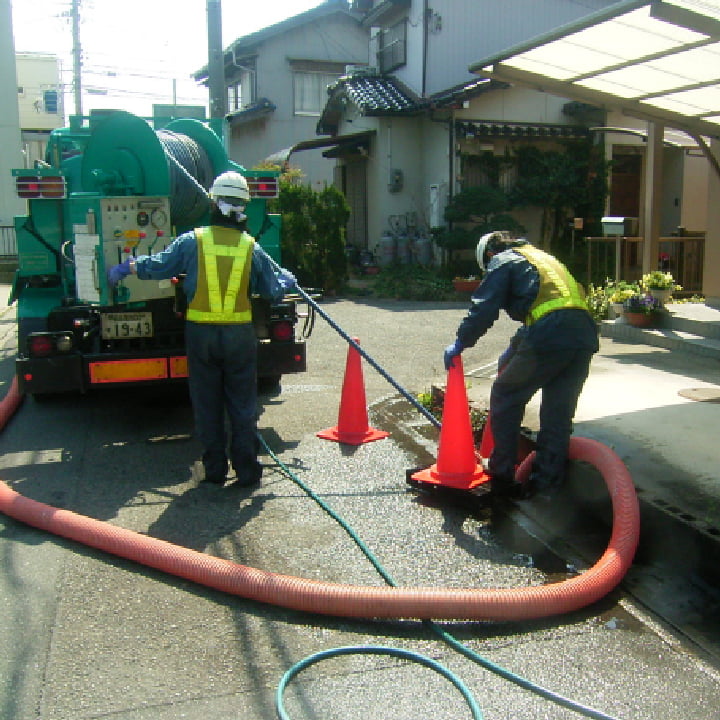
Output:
x=115 y=185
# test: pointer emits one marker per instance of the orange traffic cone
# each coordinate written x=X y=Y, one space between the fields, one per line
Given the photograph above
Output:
x=352 y=427
x=456 y=466
x=487 y=441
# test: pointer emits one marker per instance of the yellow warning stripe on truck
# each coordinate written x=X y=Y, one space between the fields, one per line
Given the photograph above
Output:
x=113 y=371
x=178 y=367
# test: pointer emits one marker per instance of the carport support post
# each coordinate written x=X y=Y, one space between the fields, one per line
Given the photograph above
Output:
x=652 y=205
x=711 y=262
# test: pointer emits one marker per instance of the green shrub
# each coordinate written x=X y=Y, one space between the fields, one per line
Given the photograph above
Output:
x=313 y=235
x=413 y=282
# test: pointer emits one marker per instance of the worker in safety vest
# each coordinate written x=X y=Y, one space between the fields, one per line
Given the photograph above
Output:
x=223 y=266
x=550 y=352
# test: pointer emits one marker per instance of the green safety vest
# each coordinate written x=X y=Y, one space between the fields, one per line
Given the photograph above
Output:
x=224 y=263
x=558 y=288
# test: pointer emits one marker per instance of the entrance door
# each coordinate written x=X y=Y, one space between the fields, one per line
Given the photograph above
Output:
x=355 y=190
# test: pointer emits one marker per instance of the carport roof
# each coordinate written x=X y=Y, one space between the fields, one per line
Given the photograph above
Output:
x=658 y=60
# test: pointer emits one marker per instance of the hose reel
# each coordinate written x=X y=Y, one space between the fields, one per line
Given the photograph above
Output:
x=125 y=156
x=191 y=175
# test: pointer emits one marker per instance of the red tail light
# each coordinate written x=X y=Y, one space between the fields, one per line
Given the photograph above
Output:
x=282 y=330
x=40 y=346
x=40 y=186
x=45 y=344
x=27 y=187
x=263 y=187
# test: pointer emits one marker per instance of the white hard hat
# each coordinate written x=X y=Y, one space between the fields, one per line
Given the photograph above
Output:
x=480 y=249
x=230 y=184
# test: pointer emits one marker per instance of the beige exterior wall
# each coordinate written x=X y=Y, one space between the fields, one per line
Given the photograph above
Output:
x=694 y=193
x=10 y=157
x=36 y=74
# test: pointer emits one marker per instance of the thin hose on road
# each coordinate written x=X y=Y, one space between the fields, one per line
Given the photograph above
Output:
x=374 y=650
x=366 y=602
x=443 y=634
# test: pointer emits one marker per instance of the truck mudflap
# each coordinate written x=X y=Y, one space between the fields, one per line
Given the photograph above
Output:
x=78 y=373
x=275 y=359
x=41 y=376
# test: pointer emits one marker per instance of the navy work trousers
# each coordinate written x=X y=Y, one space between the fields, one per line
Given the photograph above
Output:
x=560 y=375
x=222 y=369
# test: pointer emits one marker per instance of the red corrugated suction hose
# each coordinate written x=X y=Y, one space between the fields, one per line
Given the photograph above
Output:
x=357 y=601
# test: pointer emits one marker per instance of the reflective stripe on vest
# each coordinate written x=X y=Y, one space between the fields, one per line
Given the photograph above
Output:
x=558 y=289
x=223 y=259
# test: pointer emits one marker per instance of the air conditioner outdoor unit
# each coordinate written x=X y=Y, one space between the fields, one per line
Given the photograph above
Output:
x=360 y=70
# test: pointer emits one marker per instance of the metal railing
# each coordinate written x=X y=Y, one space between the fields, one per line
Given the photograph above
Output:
x=8 y=242
x=620 y=258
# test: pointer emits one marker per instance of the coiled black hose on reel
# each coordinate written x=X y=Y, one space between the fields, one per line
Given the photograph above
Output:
x=191 y=174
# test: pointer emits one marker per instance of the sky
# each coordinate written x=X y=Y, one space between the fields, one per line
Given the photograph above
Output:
x=137 y=52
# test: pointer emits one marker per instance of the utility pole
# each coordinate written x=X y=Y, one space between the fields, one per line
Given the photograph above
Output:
x=77 y=57
x=216 y=66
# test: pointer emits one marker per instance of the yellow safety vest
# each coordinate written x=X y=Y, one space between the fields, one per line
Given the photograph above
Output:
x=224 y=263
x=558 y=288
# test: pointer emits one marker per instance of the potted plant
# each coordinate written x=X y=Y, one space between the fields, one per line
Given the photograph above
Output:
x=641 y=310
x=618 y=293
x=660 y=285
x=466 y=284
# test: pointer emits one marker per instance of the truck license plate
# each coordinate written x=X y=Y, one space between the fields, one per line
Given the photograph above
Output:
x=119 y=326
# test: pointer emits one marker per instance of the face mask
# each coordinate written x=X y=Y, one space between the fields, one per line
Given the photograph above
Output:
x=227 y=210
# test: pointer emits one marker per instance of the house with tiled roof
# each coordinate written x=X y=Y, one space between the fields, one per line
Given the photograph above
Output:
x=277 y=78
x=416 y=127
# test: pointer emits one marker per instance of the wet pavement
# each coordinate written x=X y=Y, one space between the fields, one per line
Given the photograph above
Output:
x=103 y=637
x=654 y=398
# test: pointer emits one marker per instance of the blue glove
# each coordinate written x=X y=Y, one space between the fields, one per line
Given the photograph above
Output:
x=287 y=280
x=452 y=351
x=117 y=272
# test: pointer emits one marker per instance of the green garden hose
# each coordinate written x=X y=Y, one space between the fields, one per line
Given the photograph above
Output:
x=445 y=636
x=373 y=650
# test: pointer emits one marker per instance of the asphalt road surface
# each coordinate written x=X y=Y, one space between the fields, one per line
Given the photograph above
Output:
x=86 y=635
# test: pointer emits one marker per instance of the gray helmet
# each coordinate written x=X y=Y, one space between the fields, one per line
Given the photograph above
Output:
x=231 y=185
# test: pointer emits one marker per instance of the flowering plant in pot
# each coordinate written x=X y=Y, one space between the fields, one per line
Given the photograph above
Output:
x=618 y=293
x=660 y=285
x=641 y=310
x=622 y=291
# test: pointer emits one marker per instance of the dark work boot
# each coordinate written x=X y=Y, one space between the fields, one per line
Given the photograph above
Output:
x=542 y=487
x=247 y=475
x=505 y=486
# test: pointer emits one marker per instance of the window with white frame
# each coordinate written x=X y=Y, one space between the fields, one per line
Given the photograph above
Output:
x=241 y=93
x=234 y=97
x=310 y=89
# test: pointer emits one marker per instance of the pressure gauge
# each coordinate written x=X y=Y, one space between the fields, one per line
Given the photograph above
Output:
x=158 y=218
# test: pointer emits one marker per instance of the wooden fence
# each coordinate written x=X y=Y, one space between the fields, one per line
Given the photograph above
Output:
x=620 y=258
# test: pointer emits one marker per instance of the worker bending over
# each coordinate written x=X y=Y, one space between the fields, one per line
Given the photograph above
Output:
x=223 y=266
x=551 y=352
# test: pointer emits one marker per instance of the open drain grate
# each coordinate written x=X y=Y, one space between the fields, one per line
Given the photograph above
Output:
x=696 y=523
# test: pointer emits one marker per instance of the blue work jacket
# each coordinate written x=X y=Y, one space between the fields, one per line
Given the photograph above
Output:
x=511 y=283
x=181 y=257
